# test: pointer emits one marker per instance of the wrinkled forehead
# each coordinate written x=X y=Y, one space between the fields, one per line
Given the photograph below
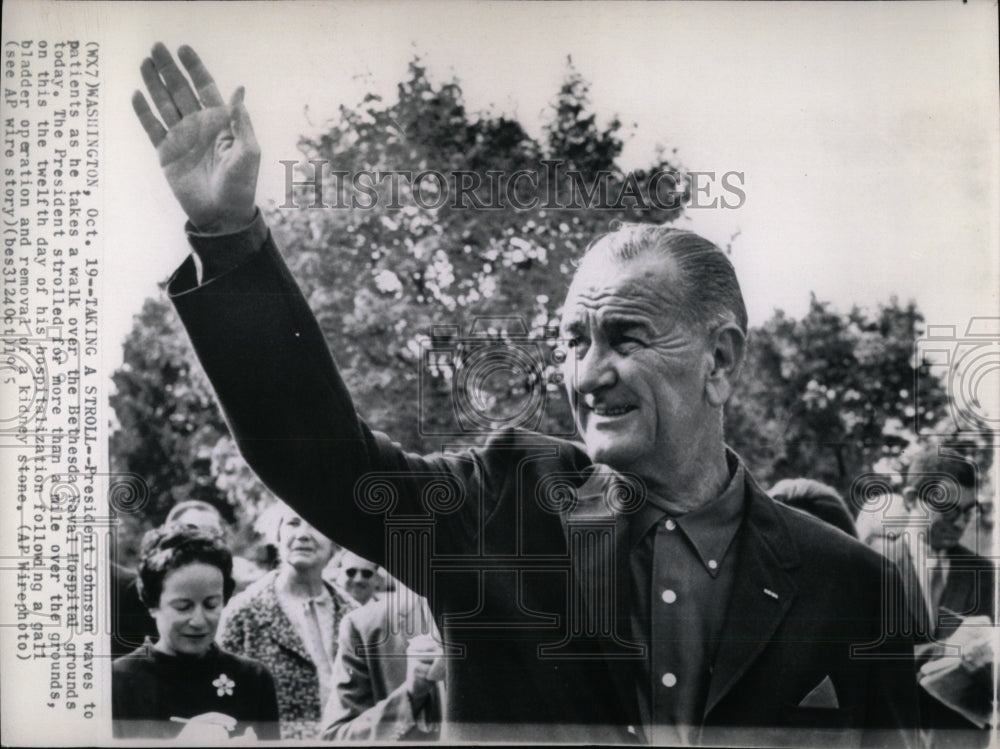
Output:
x=649 y=280
x=288 y=515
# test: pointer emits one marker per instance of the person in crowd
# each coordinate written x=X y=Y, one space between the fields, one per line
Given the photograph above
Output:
x=816 y=499
x=668 y=600
x=196 y=513
x=359 y=577
x=131 y=622
x=289 y=621
x=945 y=587
x=183 y=685
x=200 y=514
x=388 y=673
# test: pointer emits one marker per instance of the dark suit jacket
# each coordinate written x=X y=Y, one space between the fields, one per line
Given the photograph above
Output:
x=968 y=592
x=369 y=701
x=525 y=579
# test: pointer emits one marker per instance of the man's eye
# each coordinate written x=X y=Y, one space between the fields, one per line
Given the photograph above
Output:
x=627 y=343
x=182 y=607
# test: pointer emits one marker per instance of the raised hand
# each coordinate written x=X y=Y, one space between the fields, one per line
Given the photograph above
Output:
x=207 y=149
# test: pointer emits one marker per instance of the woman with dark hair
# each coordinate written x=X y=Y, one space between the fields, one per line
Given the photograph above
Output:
x=184 y=685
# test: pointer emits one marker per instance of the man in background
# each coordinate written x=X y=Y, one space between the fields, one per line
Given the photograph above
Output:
x=359 y=577
x=947 y=589
x=388 y=673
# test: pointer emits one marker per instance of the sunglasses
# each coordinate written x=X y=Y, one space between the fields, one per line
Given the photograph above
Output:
x=354 y=571
x=954 y=513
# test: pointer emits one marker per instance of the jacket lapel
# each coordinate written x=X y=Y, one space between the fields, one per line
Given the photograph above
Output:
x=281 y=627
x=762 y=593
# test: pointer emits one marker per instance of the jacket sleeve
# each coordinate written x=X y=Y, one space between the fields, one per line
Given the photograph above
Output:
x=295 y=423
x=352 y=714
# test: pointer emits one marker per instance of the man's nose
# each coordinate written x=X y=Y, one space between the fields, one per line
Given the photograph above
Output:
x=593 y=372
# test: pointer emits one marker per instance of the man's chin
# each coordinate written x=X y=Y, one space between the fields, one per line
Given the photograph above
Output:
x=613 y=456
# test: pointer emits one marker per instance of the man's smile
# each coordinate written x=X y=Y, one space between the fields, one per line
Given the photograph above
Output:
x=611 y=411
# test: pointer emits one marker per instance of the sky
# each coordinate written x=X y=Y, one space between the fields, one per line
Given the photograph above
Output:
x=867 y=132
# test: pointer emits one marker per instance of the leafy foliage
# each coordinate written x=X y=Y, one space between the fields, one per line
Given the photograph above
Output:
x=409 y=297
x=832 y=395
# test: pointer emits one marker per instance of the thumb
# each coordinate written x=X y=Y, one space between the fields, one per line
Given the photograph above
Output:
x=239 y=119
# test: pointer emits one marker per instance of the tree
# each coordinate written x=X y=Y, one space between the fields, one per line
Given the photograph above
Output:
x=832 y=395
x=167 y=422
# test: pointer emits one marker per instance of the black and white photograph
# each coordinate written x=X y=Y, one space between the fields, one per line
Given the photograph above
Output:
x=605 y=373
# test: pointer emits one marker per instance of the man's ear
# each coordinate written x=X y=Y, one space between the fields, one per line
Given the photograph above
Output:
x=728 y=350
x=909 y=498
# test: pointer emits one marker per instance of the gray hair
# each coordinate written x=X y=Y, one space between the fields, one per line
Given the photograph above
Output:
x=706 y=278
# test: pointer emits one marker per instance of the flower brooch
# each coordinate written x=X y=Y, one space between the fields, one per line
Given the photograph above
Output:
x=223 y=685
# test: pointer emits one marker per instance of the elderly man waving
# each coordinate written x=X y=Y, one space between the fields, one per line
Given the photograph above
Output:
x=702 y=612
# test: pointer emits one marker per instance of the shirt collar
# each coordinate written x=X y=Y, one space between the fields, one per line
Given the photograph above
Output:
x=323 y=598
x=712 y=527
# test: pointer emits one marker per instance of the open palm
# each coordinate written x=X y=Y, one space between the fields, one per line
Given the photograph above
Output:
x=207 y=149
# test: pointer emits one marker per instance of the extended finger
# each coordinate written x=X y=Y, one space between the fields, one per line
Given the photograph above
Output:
x=239 y=120
x=180 y=91
x=150 y=123
x=158 y=92
x=204 y=84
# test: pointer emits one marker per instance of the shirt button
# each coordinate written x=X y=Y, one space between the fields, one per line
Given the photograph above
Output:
x=668 y=596
x=670 y=524
x=669 y=680
x=712 y=564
